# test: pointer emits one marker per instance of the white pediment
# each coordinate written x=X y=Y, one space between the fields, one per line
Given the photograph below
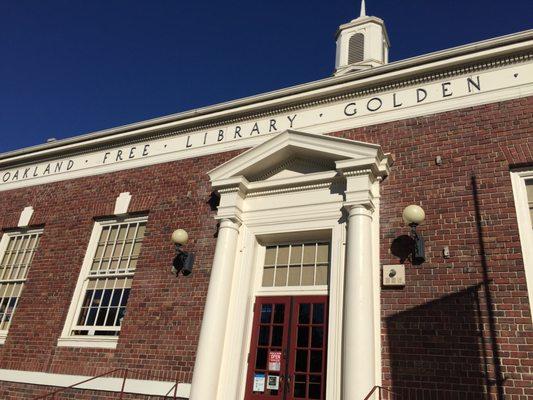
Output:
x=277 y=172
x=293 y=154
x=295 y=167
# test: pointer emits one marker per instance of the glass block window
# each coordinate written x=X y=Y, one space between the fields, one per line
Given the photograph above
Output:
x=304 y=264
x=106 y=287
x=529 y=188
x=15 y=263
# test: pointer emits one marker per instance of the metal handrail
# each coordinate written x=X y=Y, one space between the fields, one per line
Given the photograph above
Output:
x=52 y=395
x=173 y=388
x=380 y=388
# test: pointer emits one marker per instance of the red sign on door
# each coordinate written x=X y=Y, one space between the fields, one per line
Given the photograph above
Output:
x=274 y=361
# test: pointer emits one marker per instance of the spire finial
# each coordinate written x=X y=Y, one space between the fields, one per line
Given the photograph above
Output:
x=363 y=9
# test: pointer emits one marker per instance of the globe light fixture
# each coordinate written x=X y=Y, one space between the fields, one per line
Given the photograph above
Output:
x=183 y=261
x=413 y=216
x=180 y=237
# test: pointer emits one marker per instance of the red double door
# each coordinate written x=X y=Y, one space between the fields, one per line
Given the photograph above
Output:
x=287 y=357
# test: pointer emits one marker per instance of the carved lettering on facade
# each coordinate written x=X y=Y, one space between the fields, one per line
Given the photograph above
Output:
x=307 y=117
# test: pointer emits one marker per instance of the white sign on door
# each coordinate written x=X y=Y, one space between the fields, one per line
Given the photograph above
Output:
x=273 y=382
x=259 y=383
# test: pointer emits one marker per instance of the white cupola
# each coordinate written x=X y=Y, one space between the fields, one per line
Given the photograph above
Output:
x=361 y=44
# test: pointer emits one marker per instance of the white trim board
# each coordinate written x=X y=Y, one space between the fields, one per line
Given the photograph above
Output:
x=518 y=180
x=133 y=386
x=504 y=83
x=450 y=58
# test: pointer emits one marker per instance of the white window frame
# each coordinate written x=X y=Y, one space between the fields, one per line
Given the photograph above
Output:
x=518 y=179
x=3 y=247
x=67 y=339
x=257 y=236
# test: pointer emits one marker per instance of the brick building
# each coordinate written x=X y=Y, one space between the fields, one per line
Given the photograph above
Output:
x=307 y=283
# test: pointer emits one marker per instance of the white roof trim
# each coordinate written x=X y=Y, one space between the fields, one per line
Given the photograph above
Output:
x=301 y=93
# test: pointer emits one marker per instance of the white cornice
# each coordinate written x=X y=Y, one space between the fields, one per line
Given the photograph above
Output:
x=495 y=82
x=409 y=71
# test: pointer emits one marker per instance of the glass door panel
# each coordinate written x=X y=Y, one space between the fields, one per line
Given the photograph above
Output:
x=267 y=359
x=287 y=357
x=307 y=362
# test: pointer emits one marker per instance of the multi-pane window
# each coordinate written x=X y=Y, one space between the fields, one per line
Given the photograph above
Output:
x=14 y=266
x=107 y=284
x=304 y=264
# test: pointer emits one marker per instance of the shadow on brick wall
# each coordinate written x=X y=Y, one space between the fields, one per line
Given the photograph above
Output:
x=437 y=348
x=447 y=348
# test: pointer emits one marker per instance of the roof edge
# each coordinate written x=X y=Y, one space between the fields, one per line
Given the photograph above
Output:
x=52 y=148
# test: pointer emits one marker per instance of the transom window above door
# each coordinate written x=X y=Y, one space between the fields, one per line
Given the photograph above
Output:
x=301 y=264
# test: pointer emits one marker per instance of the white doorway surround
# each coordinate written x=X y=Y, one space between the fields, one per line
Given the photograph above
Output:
x=296 y=186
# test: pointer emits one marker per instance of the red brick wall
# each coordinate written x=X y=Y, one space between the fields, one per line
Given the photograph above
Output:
x=457 y=320
x=459 y=326
x=160 y=332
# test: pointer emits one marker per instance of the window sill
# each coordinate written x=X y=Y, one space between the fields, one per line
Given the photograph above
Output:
x=3 y=336
x=90 y=342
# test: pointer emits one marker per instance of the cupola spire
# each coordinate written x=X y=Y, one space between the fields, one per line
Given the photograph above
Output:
x=361 y=44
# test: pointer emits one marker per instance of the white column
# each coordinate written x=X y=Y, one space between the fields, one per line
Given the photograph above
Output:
x=359 y=362
x=211 y=343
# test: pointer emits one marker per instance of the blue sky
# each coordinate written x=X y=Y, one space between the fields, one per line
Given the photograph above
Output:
x=70 y=67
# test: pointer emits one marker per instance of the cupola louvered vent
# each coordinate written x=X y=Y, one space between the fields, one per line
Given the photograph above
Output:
x=356 y=50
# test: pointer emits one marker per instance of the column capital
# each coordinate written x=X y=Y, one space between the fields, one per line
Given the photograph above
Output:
x=231 y=223
x=366 y=209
